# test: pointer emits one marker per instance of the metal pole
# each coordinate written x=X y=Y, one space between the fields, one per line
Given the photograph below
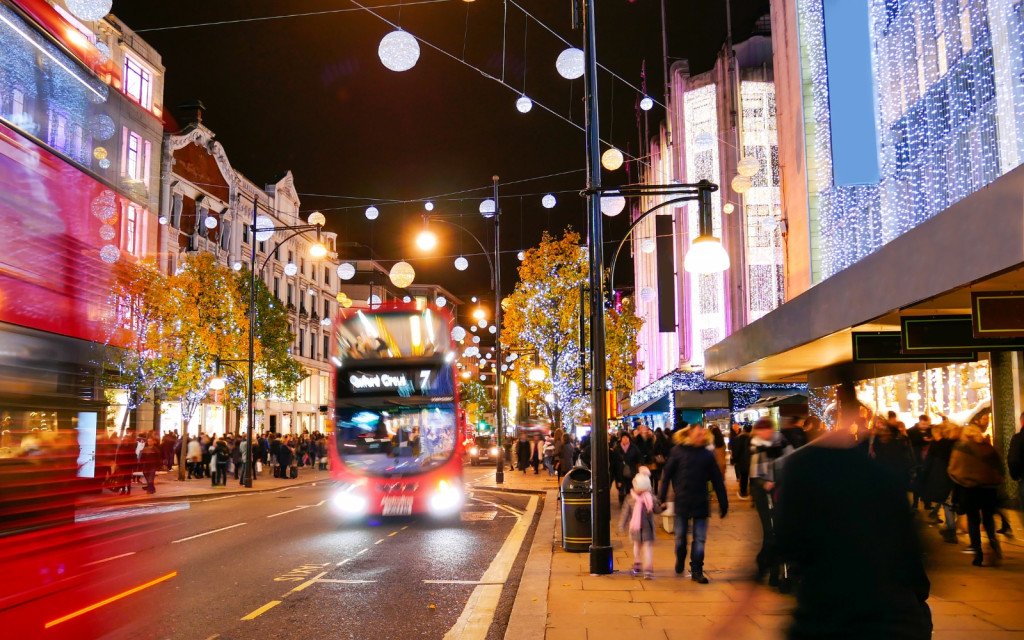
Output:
x=600 y=548
x=499 y=475
x=252 y=348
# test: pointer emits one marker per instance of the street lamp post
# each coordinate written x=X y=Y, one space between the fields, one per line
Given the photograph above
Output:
x=264 y=226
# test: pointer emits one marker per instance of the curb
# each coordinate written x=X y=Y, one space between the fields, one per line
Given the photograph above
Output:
x=529 y=617
x=232 y=492
x=526 y=492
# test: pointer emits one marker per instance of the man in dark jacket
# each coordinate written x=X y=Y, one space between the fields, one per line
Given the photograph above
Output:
x=739 y=443
x=522 y=453
x=626 y=459
x=689 y=468
x=1015 y=459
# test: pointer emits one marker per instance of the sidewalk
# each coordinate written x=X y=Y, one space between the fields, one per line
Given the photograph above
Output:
x=967 y=602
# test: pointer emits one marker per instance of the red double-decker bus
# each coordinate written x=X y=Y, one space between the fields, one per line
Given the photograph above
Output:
x=397 y=441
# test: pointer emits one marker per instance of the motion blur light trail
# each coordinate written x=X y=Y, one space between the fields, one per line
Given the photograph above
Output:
x=123 y=594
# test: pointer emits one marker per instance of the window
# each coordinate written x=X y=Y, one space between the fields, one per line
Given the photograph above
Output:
x=302 y=341
x=245 y=233
x=131 y=222
x=327 y=349
x=327 y=308
x=312 y=345
x=138 y=82
x=327 y=276
x=277 y=287
x=263 y=247
x=277 y=252
x=133 y=160
x=302 y=266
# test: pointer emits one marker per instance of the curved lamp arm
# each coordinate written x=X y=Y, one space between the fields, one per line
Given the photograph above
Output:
x=615 y=257
x=490 y=262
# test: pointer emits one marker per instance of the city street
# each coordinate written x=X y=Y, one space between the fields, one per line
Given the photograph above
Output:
x=280 y=564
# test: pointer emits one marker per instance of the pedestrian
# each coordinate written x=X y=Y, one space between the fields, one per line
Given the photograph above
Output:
x=583 y=453
x=740 y=444
x=847 y=529
x=920 y=437
x=194 y=458
x=150 y=461
x=662 y=446
x=719 y=441
x=566 y=455
x=285 y=458
x=689 y=469
x=933 y=483
x=222 y=456
x=892 y=449
x=522 y=453
x=626 y=460
x=767 y=447
x=536 y=452
x=1015 y=460
x=638 y=515
x=125 y=463
x=794 y=433
x=976 y=467
x=549 y=455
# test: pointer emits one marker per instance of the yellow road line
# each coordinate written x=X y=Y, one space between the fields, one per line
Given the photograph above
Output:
x=123 y=594
x=267 y=607
x=379 y=541
x=392 y=533
x=308 y=582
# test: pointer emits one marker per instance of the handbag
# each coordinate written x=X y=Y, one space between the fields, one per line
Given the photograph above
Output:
x=259 y=467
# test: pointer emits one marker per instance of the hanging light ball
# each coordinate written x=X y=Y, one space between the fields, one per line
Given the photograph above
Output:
x=476 y=339
x=482 y=323
x=647 y=245
x=748 y=166
x=326 y=322
x=611 y=159
x=103 y=207
x=441 y=301
x=461 y=263
x=769 y=223
x=428 y=205
x=570 y=63
x=372 y=213
x=104 y=163
x=373 y=300
x=487 y=208
x=110 y=254
x=492 y=329
x=100 y=153
x=646 y=103
x=524 y=104
x=648 y=294
x=728 y=207
x=89 y=10
x=317 y=218
x=402 y=274
x=521 y=255
x=473 y=328
x=104 y=51
x=107 y=232
x=612 y=206
x=264 y=228
x=504 y=367
x=162 y=219
x=210 y=222
x=740 y=184
x=340 y=297
x=346 y=271
x=237 y=266
x=399 y=50
x=291 y=269
x=704 y=140
x=406 y=299
x=548 y=201
x=482 y=377
x=458 y=333
x=102 y=126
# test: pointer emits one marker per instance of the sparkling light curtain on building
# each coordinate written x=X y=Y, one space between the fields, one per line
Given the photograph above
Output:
x=705 y=293
x=950 y=117
x=762 y=203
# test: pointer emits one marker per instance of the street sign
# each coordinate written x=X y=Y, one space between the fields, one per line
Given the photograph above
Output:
x=998 y=314
x=936 y=335
x=884 y=347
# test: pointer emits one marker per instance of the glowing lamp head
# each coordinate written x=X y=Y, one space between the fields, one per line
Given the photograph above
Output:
x=487 y=208
x=549 y=397
x=479 y=313
x=612 y=206
x=346 y=271
x=372 y=213
x=399 y=51
x=524 y=104
x=548 y=201
x=646 y=103
x=461 y=263
x=426 y=240
x=317 y=219
x=706 y=255
x=611 y=159
x=569 y=63
x=402 y=274
x=537 y=375
x=318 y=250
x=218 y=383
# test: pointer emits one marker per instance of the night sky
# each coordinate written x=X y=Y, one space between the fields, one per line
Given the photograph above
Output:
x=309 y=94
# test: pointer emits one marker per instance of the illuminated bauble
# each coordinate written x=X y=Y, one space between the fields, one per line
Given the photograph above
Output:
x=487 y=208
x=102 y=126
x=504 y=367
x=748 y=166
x=291 y=269
x=548 y=201
x=210 y=222
x=646 y=103
x=492 y=329
x=110 y=254
x=728 y=207
x=524 y=104
x=476 y=339
x=428 y=205
x=461 y=263
x=611 y=159
x=406 y=299
x=162 y=219
x=341 y=297
x=482 y=377
x=346 y=271
x=482 y=323
x=473 y=328
x=648 y=294
x=264 y=228
x=317 y=218
x=103 y=207
x=441 y=301
x=89 y=10
x=521 y=255
x=326 y=322
x=372 y=213
x=647 y=245
x=612 y=206
x=237 y=266
x=402 y=274
x=373 y=300
x=347 y=302
x=740 y=184
x=99 y=153
x=107 y=232
x=704 y=140
x=104 y=163
x=458 y=333
x=399 y=51
x=570 y=63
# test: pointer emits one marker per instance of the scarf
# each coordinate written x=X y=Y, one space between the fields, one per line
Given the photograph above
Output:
x=643 y=501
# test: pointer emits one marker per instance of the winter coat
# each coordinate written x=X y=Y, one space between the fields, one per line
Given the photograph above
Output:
x=975 y=464
x=194 y=452
x=522 y=454
x=689 y=469
x=285 y=456
x=631 y=458
x=567 y=457
x=646 y=532
x=1015 y=457
x=895 y=455
x=151 y=458
x=740 y=446
x=934 y=482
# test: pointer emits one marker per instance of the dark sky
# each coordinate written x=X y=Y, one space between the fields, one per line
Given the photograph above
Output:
x=309 y=94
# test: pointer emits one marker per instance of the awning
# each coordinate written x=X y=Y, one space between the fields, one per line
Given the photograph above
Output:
x=910 y=275
x=778 y=401
x=657 y=405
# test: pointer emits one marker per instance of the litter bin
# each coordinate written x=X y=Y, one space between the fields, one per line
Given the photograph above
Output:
x=576 y=498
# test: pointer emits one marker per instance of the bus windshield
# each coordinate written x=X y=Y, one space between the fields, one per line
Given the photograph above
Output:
x=395 y=439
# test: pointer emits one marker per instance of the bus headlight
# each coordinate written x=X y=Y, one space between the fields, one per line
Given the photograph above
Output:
x=348 y=502
x=474 y=451
x=446 y=500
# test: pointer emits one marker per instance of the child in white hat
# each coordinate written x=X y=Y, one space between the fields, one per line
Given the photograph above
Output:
x=638 y=514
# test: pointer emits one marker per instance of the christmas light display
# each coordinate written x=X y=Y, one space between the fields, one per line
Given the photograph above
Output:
x=89 y=10
x=548 y=201
x=441 y=301
x=461 y=263
x=110 y=254
x=264 y=228
x=569 y=63
x=372 y=213
x=646 y=103
x=107 y=232
x=346 y=271
x=399 y=51
x=402 y=274
x=524 y=104
x=458 y=333
x=742 y=395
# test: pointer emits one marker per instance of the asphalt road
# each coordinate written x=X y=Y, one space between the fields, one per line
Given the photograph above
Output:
x=280 y=565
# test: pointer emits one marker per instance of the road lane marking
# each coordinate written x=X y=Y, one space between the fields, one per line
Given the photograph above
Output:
x=123 y=555
x=459 y=582
x=216 y=635
x=200 y=535
x=379 y=541
x=393 y=533
x=267 y=607
x=405 y=527
x=309 y=582
x=346 y=560
x=478 y=614
x=363 y=551
x=123 y=594
x=289 y=511
x=332 y=581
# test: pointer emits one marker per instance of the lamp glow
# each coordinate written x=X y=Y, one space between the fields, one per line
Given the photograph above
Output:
x=487 y=208
x=728 y=207
x=478 y=313
x=537 y=374
x=458 y=333
x=706 y=255
x=740 y=184
x=402 y=274
x=372 y=213
x=426 y=240
x=399 y=50
x=264 y=228
x=428 y=205
x=748 y=166
x=217 y=383
x=569 y=63
x=210 y=222
x=549 y=397
x=318 y=250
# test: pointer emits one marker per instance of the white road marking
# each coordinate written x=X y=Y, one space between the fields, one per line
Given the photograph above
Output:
x=459 y=582
x=200 y=535
x=305 y=506
x=476 y=618
x=346 y=581
x=363 y=551
x=123 y=555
